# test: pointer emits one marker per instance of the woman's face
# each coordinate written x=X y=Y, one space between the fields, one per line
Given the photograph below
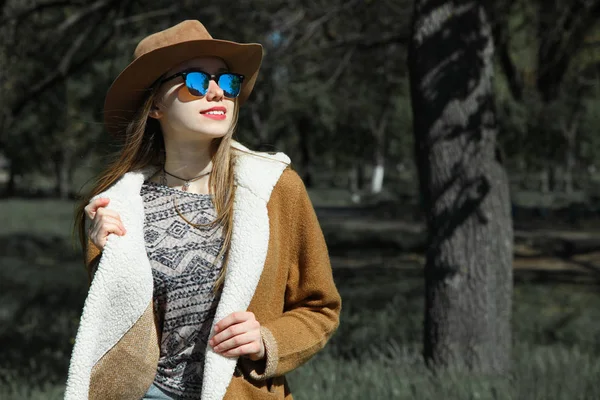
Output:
x=184 y=116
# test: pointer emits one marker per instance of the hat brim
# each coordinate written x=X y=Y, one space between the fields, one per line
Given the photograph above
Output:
x=129 y=89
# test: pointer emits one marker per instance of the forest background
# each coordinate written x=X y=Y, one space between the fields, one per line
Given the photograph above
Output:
x=341 y=92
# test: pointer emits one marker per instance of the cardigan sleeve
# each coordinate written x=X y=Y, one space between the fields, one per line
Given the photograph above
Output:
x=312 y=302
x=92 y=258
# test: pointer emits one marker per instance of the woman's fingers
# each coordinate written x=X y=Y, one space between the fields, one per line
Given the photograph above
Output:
x=235 y=330
x=97 y=212
x=235 y=341
x=107 y=217
x=233 y=318
x=238 y=334
x=103 y=222
x=92 y=207
x=99 y=234
x=107 y=228
x=240 y=345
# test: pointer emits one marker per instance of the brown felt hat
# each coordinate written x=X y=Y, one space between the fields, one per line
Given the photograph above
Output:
x=161 y=51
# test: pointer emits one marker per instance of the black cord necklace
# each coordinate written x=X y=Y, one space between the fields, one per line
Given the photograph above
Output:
x=186 y=182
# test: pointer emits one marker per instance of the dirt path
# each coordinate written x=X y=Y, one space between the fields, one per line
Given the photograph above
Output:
x=401 y=242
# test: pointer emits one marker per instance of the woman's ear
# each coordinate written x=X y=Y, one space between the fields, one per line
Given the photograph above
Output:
x=155 y=112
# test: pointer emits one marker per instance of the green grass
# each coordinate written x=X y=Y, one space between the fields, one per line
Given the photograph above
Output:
x=398 y=373
x=374 y=355
x=47 y=217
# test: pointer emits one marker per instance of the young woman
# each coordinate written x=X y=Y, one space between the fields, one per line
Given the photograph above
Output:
x=210 y=277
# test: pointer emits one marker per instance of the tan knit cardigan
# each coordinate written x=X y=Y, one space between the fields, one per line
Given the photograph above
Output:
x=278 y=269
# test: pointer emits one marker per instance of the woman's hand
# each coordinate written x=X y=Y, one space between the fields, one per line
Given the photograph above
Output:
x=238 y=334
x=103 y=222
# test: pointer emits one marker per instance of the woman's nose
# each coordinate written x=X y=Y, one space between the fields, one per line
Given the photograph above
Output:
x=214 y=92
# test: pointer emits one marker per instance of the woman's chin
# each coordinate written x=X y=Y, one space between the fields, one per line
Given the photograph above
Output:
x=207 y=133
x=188 y=132
x=212 y=130
x=212 y=135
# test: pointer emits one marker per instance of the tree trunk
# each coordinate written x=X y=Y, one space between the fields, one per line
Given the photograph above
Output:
x=571 y=138
x=545 y=180
x=553 y=173
x=468 y=271
x=62 y=186
x=360 y=175
x=260 y=125
x=305 y=152
x=568 y=173
x=70 y=176
x=11 y=185
x=377 y=129
x=353 y=186
x=378 y=172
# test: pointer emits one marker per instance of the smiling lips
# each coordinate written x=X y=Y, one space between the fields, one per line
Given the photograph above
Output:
x=217 y=113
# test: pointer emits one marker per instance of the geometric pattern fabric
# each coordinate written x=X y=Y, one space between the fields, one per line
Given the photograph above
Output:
x=184 y=269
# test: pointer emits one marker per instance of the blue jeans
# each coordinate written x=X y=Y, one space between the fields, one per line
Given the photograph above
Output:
x=156 y=393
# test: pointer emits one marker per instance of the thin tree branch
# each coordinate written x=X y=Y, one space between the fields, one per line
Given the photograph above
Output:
x=84 y=12
x=559 y=45
x=63 y=66
x=66 y=66
x=358 y=41
x=501 y=43
x=338 y=71
x=256 y=119
x=314 y=25
x=399 y=7
x=290 y=22
x=512 y=74
x=148 y=15
x=363 y=42
x=37 y=7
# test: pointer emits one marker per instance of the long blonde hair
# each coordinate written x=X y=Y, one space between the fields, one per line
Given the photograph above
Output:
x=143 y=146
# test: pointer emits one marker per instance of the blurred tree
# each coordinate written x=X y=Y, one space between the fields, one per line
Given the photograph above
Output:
x=320 y=57
x=541 y=48
x=44 y=43
x=464 y=188
x=364 y=50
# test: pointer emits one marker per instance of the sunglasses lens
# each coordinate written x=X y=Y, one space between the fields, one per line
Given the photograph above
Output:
x=197 y=83
x=231 y=84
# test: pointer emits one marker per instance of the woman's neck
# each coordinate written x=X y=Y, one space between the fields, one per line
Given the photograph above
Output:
x=188 y=160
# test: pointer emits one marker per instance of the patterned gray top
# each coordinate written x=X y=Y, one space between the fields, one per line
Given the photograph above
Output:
x=182 y=259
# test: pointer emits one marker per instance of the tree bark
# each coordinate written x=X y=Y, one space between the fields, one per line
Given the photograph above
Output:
x=62 y=187
x=468 y=271
x=545 y=180
x=378 y=129
x=11 y=185
x=570 y=161
x=305 y=151
x=562 y=29
x=353 y=187
x=570 y=133
x=378 y=174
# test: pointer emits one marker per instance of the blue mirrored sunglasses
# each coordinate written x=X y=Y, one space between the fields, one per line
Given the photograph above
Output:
x=197 y=82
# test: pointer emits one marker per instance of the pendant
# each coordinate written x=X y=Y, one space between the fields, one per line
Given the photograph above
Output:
x=185 y=186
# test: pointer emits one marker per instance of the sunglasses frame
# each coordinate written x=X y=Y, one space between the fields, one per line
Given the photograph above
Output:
x=211 y=77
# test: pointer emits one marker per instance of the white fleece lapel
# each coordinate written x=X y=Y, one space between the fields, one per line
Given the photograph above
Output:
x=255 y=177
x=122 y=287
